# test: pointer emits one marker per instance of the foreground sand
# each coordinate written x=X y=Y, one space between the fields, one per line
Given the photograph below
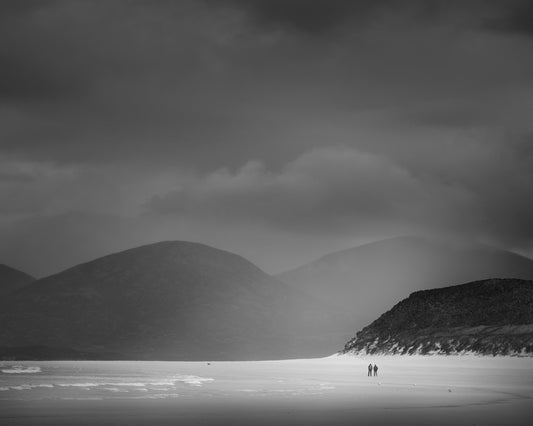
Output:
x=331 y=391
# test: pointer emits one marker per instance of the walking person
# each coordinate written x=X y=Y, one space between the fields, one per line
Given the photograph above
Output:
x=375 y=369
x=369 y=370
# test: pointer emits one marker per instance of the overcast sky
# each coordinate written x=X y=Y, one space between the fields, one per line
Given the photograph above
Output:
x=279 y=130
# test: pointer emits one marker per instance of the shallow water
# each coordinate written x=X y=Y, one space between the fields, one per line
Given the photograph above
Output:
x=97 y=380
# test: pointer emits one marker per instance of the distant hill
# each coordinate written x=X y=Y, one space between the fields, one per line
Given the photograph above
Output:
x=28 y=353
x=487 y=317
x=371 y=278
x=12 y=279
x=170 y=300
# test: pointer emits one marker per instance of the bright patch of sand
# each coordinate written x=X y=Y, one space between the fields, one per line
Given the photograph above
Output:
x=417 y=390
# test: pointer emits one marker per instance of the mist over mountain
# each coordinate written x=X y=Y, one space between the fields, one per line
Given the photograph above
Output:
x=12 y=279
x=170 y=300
x=373 y=277
x=490 y=317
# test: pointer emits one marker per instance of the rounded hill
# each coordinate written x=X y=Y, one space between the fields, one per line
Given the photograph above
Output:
x=169 y=300
x=12 y=279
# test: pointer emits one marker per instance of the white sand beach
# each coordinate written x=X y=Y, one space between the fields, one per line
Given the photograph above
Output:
x=415 y=390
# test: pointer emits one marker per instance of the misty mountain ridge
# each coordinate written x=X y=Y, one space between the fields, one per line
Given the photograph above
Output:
x=373 y=277
x=489 y=317
x=169 y=300
x=188 y=301
x=12 y=279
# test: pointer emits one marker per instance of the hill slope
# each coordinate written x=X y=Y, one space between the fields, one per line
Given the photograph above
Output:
x=489 y=317
x=373 y=277
x=12 y=279
x=170 y=300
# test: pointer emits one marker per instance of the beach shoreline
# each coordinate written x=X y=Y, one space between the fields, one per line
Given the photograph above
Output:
x=335 y=390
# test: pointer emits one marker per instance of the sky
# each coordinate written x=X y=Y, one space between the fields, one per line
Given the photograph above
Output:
x=278 y=130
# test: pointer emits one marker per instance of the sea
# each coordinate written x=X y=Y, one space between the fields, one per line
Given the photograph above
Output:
x=85 y=380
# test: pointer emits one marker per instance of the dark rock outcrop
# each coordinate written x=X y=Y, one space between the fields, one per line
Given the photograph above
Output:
x=487 y=317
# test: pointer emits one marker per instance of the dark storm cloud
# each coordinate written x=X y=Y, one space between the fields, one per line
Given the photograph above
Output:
x=343 y=190
x=313 y=17
x=29 y=69
x=68 y=73
x=514 y=17
x=15 y=177
x=327 y=17
x=241 y=121
x=324 y=18
x=325 y=190
x=95 y=82
x=111 y=81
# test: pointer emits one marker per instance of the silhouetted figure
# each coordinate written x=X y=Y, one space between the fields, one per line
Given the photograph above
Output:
x=369 y=370
x=375 y=369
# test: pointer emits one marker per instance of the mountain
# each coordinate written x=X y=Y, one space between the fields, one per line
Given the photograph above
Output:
x=487 y=317
x=12 y=279
x=170 y=300
x=47 y=353
x=373 y=277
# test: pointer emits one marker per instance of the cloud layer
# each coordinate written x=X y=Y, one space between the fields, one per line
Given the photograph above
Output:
x=278 y=129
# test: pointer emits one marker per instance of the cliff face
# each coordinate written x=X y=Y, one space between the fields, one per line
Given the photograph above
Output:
x=492 y=316
x=170 y=300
